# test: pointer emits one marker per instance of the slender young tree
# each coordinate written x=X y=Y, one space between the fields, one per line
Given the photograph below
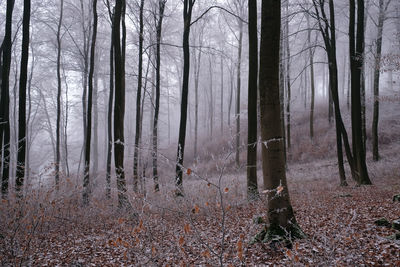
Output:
x=138 y=99
x=187 y=18
x=356 y=48
x=86 y=178
x=252 y=187
x=238 y=83
x=119 y=107
x=378 y=54
x=328 y=32
x=161 y=7
x=59 y=89
x=110 y=106
x=5 y=99
x=311 y=52
x=20 y=172
x=282 y=221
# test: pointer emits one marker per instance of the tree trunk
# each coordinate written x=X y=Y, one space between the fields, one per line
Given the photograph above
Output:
x=288 y=85
x=138 y=99
x=86 y=179
x=109 y=115
x=197 y=64
x=187 y=17
x=58 y=124
x=5 y=99
x=119 y=107
x=311 y=62
x=356 y=59
x=281 y=223
x=238 y=82
x=375 y=121
x=252 y=187
x=211 y=106
x=157 y=104
x=222 y=96
x=20 y=174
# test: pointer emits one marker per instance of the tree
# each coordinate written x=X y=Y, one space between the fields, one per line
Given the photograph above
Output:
x=187 y=17
x=282 y=221
x=86 y=178
x=311 y=52
x=58 y=123
x=110 y=106
x=161 y=7
x=328 y=32
x=119 y=106
x=138 y=99
x=378 y=54
x=356 y=48
x=5 y=99
x=20 y=172
x=252 y=187
x=239 y=8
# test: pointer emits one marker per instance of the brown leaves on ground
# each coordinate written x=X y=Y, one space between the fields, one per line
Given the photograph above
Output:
x=339 y=223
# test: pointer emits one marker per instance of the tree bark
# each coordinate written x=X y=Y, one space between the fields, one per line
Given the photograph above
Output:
x=5 y=99
x=252 y=186
x=288 y=85
x=378 y=55
x=59 y=89
x=138 y=99
x=119 y=107
x=238 y=85
x=281 y=217
x=187 y=17
x=157 y=104
x=20 y=172
x=86 y=178
x=356 y=46
x=311 y=62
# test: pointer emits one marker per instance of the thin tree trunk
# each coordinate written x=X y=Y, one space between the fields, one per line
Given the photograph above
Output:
x=378 y=55
x=138 y=100
x=157 y=104
x=59 y=88
x=197 y=64
x=211 y=106
x=110 y=113
x=187 y=17
x=252 y=186
x=238 y=81
x=5 y=99
x=311 y=61
x=222 y=95
x=86 y=179
x=20 y=172
x=288 y=85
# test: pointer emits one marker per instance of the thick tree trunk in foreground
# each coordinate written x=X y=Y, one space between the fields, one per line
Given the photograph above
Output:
x=252 y=187
x=281 y=218
x=20 y=174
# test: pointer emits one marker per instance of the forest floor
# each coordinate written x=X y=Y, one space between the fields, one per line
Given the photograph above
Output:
x=55 y=230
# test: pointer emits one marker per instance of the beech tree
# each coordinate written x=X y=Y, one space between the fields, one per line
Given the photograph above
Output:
x=20 y=172
x=282 y=221
x=5 y=100
x=252 y=187
x=356 y=48
x=187 y=18
x=119 y=106
x=86 y=179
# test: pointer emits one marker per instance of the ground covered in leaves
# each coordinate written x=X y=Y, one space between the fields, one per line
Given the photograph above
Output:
x=50 y=229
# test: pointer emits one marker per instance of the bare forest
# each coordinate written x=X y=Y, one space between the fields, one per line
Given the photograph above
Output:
x=200 y=132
